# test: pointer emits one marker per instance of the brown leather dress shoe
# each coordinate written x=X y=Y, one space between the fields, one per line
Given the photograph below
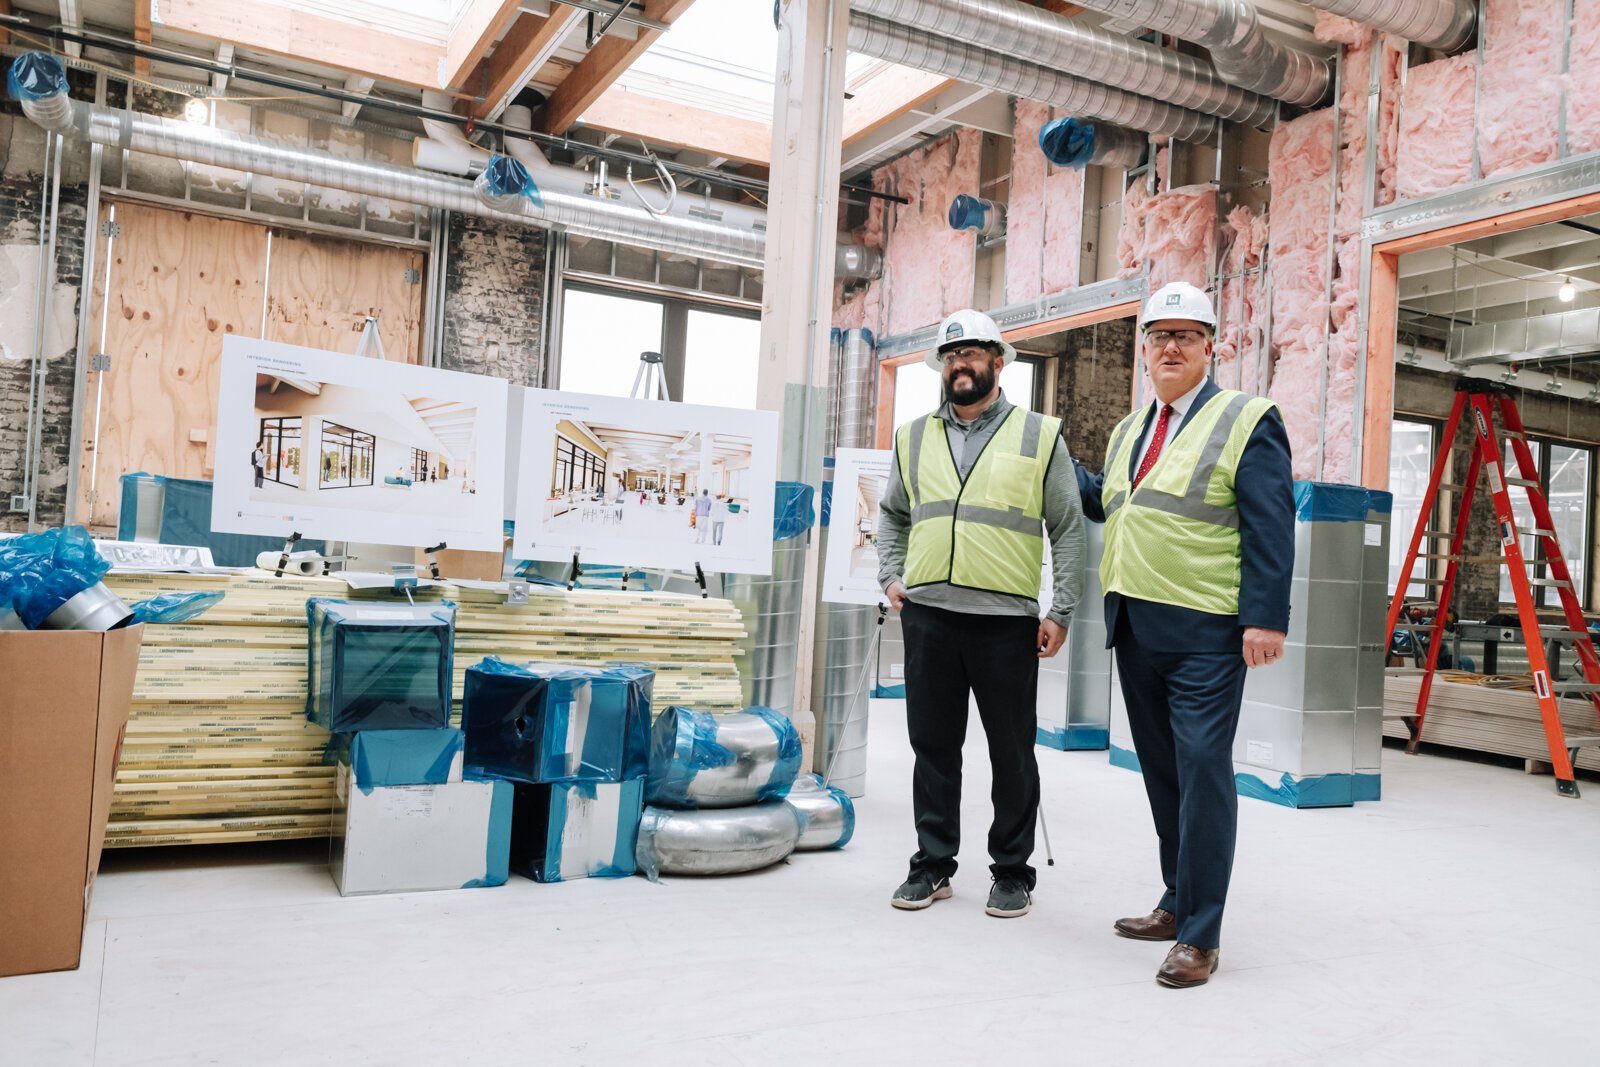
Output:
x=1159 y=925
x=1186 y=965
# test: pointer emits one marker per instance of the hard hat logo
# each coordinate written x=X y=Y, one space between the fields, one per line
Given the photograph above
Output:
x=1174 y=299
x=953 y=332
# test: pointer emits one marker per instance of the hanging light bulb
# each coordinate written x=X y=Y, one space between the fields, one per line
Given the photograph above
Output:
x=1567 y=292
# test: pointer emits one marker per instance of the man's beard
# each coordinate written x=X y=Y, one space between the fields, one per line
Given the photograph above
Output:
x=972 y=389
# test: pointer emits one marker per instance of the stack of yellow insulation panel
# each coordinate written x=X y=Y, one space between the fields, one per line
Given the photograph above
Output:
x=218 y=748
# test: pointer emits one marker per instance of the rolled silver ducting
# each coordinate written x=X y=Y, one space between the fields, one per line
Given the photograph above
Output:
x=1060 y=43
x=1442 y=24
x=857 y=263
x=700 y=760
x=978 y=66
x=1240 y=48
x=827 y=818
x=717 y=841
x=177 y=139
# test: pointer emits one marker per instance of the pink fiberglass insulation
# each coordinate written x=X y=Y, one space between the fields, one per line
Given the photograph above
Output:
x=1063 y=229
x=1519 y=103
x=1299 y=168
x=1180 y=235
x=1344 y=314
x=1130 y=234
x=1333 y=28
x=1394 y=55
x=1025 y=207
x=1356 y=76
x=1583 y=78
x=1435 y=146
x=1239 y=339
x=865 y=304
x=928 y=267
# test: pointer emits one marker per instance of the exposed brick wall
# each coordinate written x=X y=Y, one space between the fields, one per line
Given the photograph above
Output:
x=494 y=299
x=1094 y=386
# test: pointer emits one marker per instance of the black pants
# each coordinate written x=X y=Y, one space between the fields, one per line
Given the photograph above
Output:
x=949 y=655
x=1183 y=710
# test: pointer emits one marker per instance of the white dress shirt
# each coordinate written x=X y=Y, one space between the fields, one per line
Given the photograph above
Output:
x=1180 y=408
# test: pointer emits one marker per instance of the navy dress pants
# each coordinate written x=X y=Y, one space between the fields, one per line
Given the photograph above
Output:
x=1183 y=709
x=949 y=655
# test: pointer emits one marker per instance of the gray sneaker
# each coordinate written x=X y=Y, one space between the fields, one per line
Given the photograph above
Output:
x=1008 y=899
x=919 y=891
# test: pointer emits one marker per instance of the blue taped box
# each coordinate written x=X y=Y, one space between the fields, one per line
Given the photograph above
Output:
x=378 y=666
x=543 y=723
x=409 y=838
x=575 y=830
x=403 y=757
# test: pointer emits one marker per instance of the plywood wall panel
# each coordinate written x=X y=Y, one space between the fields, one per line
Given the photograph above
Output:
x=322 y=289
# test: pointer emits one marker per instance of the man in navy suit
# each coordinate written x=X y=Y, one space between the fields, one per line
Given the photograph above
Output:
x=1198 y=502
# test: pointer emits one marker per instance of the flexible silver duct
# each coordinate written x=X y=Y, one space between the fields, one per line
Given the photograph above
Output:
x=1443 y=24
x=176 y=139
x=857 y=263
x=978 y=66
x=1089 y=52
x=1240 y=48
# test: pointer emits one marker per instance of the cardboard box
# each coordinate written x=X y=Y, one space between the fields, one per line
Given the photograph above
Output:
x=409 y=838
x=63 y=706
x=455 y=563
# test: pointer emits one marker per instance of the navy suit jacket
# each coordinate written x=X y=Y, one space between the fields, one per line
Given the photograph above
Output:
x=1264 y=486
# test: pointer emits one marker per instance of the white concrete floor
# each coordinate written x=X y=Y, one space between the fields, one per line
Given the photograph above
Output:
x=1452 y=922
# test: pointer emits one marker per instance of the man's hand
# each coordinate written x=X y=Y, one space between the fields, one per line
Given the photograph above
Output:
x=1262 y=648
x=896 y=594
x=1052 y=635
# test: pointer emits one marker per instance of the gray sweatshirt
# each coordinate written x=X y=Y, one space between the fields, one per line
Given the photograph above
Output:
x=1063 y=520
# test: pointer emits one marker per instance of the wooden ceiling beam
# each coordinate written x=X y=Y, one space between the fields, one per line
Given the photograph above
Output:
x=142 y=34
x=529 y=38
x=667 y=122
x=474 y=33
x=602 y=66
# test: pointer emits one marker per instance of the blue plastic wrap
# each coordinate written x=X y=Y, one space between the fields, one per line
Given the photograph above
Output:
x=543 y=722
x=789 y=753
x=375 y=665
x=506 y=177
x=967 y=212
x=1067 y=142
x=1336 y=502
x=185 y=519
x=398 y=757
x=36 y=75
x=174 y=607
x=683 y=743
x=792 y=513
x=41 y=571
x=571 y=830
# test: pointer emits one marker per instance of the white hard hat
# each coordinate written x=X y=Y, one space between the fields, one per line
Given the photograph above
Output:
x=1178 y=300
x=966 y=327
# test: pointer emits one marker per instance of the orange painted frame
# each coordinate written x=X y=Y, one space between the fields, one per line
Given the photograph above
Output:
x=1383 y=311
x=883 y=417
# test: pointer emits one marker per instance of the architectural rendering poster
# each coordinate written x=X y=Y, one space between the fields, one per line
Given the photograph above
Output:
x=645 y=483
x=850 y=573
x=351 y=448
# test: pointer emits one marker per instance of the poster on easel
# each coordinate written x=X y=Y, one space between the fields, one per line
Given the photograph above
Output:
x=351 y=448
x=850 y=571
x=645 y=483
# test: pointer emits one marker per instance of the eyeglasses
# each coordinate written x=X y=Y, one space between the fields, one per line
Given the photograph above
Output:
x=1185 y=338
x=965 y=354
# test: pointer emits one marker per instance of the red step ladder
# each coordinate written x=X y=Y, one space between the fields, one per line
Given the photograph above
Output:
x=1483 y=398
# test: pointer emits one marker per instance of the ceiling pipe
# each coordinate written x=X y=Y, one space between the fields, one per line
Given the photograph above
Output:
x=1040 y=36
x=1240 y=48
x=977 y=66
x=987 y=217
x=1076 y=143
x=1443 y=24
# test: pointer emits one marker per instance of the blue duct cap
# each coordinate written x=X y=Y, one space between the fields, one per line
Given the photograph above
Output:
x=1068 y=142
x=506 y=177
x=967 y=212
x=36 y=75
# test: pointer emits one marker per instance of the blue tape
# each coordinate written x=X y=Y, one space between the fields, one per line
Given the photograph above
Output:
x=1073 y=738
x=554 y=834
x=170 y=608
x=1316 y=791
x=505 y=176
x=1366 y=786
x=827 y=502
x=849 y=815
x=792 y=513
x=36 y=75
x=889 y=692
x=967 y=212
x=789 y=754
x=1330 y=502
x=630 y=804
x=401 y=757
x=1125 y=758
x=682 y=744
x=1068 y=142
x=497 y=854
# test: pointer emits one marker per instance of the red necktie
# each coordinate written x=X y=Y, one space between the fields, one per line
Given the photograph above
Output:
x=1153 y=453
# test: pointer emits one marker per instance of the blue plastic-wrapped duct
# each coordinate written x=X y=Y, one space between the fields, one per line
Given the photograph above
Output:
x=682 y=744
x=792 y=513
x=543 y=722
x=36 y=75
x=700 y=760
x=1068 y=142
x=399 y=757
x=505 y=177
x=569 y=830
x=827 y=815
x=39 y=572
x=968 y=212
x=376 y=665
x=790 y=753
x=174 y=607
x=184 y=518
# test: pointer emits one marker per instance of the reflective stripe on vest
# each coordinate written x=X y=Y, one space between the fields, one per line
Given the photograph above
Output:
x=987 y=532
x=1175 y=539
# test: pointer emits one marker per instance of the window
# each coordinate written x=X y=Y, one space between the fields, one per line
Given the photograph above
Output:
x=919 y=389
x=346 y=457
x=577 y=469
x=280 y=440
x=1410 y=467
x=601 y=338
x=720 y=359
x=1565 y=472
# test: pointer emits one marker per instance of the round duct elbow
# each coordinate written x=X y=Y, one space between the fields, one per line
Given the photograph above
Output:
x=827 y=815
x=1443 y=24
x=975 y=213
x=715 y=841
x=857 y=263
x=504 y=183
x=1077 y=142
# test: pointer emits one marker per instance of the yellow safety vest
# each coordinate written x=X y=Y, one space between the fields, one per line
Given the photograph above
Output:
x=987 y=532
x=1175 y=540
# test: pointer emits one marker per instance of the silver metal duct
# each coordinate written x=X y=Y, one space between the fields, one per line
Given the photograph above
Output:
x=1240 y=48
x=1443 y=24
x=1089 y=52
x=1536 y=339
x=987 y=217
x=176 y=139
x=827 y=817
x=855 y=389
x=700 y=760
x=857 y=263
x=770 y=607
x=719 y=841
x=1115 y=146
x=978 y=66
